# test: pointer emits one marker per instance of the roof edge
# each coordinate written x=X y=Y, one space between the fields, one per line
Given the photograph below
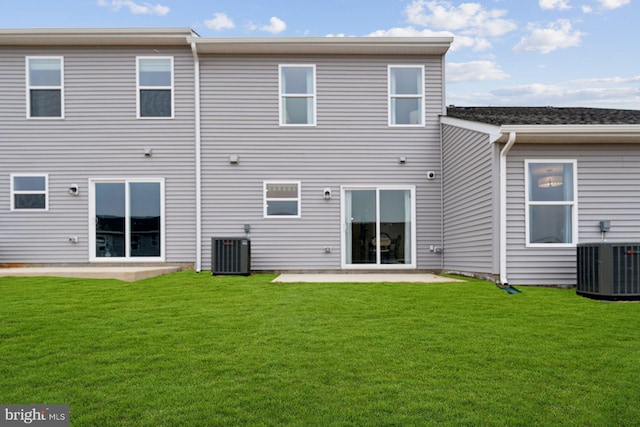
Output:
x=183 y=36
x=95 y=36
x=492 y=130
x=325 y=45
x=555 y=129
x=570 y=134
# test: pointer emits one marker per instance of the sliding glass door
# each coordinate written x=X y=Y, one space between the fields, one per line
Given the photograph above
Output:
x=379 y=227
x=127 y=220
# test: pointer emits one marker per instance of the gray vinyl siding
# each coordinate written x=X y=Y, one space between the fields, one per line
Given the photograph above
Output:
x=100 y=137
x=352 y=144
x=608 y=189
x=470 y=201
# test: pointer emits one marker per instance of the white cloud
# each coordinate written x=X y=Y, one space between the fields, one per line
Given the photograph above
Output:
x=613 y=80
x=441 y=14
x=610 y=92
x=474 y=71
x=533 y=90
x=554 y=4
x=613 y=4
x=557 y=95
x=470 y=18
x=219 y=22
x=473 y=25
x=557 y=35
x=587 y=9
x=276 y=26
x=475 y=43
x=135 y=8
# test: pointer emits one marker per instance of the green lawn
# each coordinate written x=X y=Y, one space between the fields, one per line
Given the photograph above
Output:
x=188 y=349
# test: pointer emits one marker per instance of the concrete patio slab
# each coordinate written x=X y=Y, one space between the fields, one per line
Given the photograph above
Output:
x=362 y=278
x=126 y=274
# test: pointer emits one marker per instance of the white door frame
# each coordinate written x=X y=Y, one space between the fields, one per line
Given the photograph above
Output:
x=92 y=220
x=344 y=225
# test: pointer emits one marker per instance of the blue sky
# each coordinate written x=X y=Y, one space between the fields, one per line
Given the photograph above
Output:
x=506 y=52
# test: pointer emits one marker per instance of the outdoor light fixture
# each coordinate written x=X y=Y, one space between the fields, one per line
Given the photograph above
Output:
x=327 y=194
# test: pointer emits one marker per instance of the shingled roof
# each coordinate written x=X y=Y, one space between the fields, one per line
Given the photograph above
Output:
x=499 y=116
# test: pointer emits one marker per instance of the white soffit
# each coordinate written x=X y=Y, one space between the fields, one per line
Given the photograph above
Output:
x=491 y=130
x=95 y=37
x=324 y=45
x=230 y=46
x=572 y=134
x=552 y=134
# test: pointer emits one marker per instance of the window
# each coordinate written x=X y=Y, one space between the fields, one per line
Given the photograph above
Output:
x=551 y=202
x=155 y=87
x=297 y=95
x=29 y=192
x=406 y=98
x=45 y=90
x=129 y=220
x=282 y=199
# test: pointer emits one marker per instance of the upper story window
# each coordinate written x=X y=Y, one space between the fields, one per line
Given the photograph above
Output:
x=282 y=199
x=551 y=202
x=155 y=87
x=45 y=87
x=406 y=95
x=297 y=95
x=29 y=192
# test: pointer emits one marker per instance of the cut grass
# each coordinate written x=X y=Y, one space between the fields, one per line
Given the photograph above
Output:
x=188 y=349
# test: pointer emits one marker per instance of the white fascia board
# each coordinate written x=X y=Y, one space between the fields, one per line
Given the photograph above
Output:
x=95 y=36
x=325 y=45
x=494 y=132
x=572 y=134
x=557 y=129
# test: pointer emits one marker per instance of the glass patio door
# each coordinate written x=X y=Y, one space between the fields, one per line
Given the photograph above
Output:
x=379 y=227
x=128 y=220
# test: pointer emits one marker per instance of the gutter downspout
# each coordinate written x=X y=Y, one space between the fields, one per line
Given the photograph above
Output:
x=441 y=198
x=198 y=148
x=503 y=207
x=444 y=113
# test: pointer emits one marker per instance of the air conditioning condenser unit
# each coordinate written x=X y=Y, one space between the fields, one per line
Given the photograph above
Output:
x=230 y=255
x=609 y=270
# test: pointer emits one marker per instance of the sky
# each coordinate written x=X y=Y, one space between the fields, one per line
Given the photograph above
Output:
x=579 y=53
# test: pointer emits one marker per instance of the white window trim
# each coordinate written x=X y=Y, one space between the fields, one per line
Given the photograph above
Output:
x=282 y=95
x=265 y=199
x=29 y=87
x=139 y=88
x=343 y=233
x=573 y=204
x=92 y=223
x=46 y=191
x=390 y=96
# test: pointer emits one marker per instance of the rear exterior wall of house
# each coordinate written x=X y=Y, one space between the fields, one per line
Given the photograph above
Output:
x=608 y=178
x=471 y=227
x=100 y=138
x=350 y=146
